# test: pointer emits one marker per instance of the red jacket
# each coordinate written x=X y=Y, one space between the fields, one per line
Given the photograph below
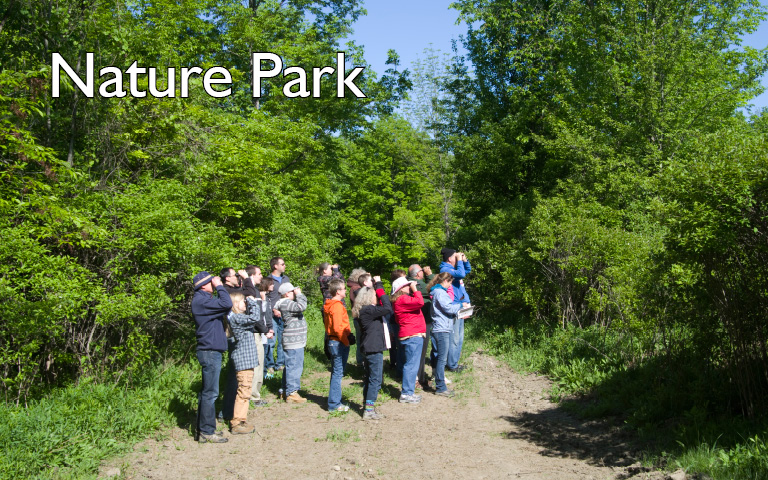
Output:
x=408 y=314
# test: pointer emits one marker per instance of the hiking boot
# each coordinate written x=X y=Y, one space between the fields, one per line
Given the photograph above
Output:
x=372 y=415
x=242 y=428
x=410 y=398
x=340 y=408
x=459 y=368
x=446 y=393
x=295 y=398
x=259 y=403
x=214 y=438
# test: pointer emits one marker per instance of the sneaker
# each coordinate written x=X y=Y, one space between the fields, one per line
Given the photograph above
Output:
x=214 y=438
x=295 y=398
x=259 y=403
x=448 y=381
x=459 y=368
x=410 y=398
x=242 y=428
x=341 y=408
x=446 y=393
x=372 y=415
x=270 y=373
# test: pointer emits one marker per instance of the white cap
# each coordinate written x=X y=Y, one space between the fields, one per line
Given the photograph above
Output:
x=285 y=288
x=398 y=284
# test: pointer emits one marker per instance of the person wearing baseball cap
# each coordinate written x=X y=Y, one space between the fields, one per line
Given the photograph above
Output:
x=291 y=306
x=209 y=312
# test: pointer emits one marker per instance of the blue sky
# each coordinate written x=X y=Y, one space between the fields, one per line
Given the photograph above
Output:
x=410 y=26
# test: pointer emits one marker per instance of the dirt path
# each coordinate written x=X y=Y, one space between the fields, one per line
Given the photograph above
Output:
x=499 y=426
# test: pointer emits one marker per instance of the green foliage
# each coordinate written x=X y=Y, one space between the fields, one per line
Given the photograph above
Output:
x=110 y=206
x=748 y=460
x=610 y=181
x=713 y=202
x=68 y=433
x=391 y=205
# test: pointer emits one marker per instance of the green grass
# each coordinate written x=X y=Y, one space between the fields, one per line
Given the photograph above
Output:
x=68 y=433
x=338 y=435
x=745 y=460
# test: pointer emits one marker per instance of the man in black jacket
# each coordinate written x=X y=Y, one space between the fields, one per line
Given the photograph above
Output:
x=209 y=312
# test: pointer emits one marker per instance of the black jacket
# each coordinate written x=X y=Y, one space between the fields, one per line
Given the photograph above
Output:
x=372 y=340
x=249 y=289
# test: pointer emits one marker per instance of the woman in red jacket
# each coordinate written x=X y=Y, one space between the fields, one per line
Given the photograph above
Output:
x=407 y=303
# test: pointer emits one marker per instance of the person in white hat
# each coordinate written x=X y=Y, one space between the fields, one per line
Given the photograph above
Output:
x=291 y=306
x=407 y=303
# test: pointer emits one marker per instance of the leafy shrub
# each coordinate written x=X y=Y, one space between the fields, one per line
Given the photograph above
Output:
x=68 y=433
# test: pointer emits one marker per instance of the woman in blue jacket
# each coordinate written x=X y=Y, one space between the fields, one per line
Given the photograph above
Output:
x=443 y=312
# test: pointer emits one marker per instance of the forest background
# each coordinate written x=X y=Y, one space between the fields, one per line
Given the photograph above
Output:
x=592 y=159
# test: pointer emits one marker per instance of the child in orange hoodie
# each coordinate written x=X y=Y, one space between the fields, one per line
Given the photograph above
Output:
x=339 y=339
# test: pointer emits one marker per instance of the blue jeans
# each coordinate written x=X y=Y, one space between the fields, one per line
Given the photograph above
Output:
x=412 y=351
x=339 y=355
x=432 y=352
x=294 y=367
x=210 y=361
x=278 y=326
x=269 y=356
x=457 y=341
x=374 y=370
x=442 y=341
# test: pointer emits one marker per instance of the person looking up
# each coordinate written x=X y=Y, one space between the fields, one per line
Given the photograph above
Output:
x=458 y=266
x=209 y=314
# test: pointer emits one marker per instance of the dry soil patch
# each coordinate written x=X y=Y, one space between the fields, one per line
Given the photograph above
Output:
x=501 y=425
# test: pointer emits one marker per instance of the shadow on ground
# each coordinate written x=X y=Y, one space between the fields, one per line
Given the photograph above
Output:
x=560 y=434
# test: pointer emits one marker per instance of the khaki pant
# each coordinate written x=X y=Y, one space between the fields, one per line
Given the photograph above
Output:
x=244 y=383
x=258 y=373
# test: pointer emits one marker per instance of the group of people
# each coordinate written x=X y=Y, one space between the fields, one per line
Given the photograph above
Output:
x=259 y=320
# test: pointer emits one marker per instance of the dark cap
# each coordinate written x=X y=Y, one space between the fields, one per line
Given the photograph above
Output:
x=202 y=278
x=447 y=253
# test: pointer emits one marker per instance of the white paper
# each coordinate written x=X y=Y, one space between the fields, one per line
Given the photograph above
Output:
x=387 y=341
